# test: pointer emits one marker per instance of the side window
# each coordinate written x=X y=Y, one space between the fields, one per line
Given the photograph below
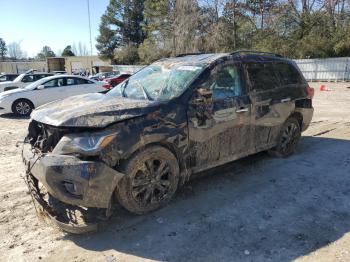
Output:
x=288 y=73
x=224 y=82
x=77 y=81
x=37 y=77
x=262 y=76
x=54 y=83
x=71 y=81
x=28 y=79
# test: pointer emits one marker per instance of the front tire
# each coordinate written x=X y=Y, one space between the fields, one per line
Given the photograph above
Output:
x=288 y=139
x=22 y=107
x=150 y=181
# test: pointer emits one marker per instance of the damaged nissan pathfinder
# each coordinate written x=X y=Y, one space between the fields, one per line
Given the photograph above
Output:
x=138 y=142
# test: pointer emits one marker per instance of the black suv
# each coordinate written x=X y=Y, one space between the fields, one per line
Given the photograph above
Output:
x=175 y=117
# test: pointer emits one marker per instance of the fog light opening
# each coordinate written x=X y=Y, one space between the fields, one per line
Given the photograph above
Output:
x=71 y=188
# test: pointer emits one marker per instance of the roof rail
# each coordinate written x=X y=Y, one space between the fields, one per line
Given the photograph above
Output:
x=255 y=52
x=181 y=55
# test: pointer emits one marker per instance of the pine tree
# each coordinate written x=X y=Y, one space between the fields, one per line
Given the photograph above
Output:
x=121 y=27
x=67 y=51
x=3 y=48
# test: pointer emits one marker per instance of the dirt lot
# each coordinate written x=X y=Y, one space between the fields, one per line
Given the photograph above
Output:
x=255 y=209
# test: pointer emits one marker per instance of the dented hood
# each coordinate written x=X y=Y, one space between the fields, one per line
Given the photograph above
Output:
x=91 y=110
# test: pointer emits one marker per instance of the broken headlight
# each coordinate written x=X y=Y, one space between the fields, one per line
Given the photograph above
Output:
x=86 y=144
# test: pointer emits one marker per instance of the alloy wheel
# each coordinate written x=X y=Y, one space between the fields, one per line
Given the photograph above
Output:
x=151 y=182
x=23 y=108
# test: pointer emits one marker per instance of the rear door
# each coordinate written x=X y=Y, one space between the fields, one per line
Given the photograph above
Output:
x=79 y=86
x=219 y=118
x=271 y=104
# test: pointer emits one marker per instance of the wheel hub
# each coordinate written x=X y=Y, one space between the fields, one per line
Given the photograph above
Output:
x=22 y=108
x=151 y=182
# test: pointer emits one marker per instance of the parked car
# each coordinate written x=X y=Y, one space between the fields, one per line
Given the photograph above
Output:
x=113 y=81
x=101 y=76
x=138 y=142
x=23 y=100
x=22 y=80
x=7 y=77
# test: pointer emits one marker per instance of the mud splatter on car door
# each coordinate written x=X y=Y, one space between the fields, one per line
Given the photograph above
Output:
x=219 y=117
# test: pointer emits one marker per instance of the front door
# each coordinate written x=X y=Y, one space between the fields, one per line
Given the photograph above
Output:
x=219 y=118
x=54 y=89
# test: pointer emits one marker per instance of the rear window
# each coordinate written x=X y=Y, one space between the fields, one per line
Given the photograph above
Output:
x=288 y=74
x=262 y=76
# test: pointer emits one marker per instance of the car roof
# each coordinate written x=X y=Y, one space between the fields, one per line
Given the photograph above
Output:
x=192 y=59
x=206 y=59
x=65 y=75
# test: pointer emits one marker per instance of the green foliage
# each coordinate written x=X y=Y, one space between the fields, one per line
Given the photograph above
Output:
x=147 y=30
x=67 y=51
x=149 y=51
x=127 y=55
x=45 y=52
x=121 y=25
x=3 y=48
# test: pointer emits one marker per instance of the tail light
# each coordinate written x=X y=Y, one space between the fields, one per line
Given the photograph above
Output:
x=310 y=92
x=107 y=86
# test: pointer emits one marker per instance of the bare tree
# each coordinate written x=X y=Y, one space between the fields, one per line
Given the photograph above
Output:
x=80 y=49
x=15 y=51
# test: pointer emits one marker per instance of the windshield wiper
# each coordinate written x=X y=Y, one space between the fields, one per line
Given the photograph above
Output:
x=124 y=87
x=145 y=93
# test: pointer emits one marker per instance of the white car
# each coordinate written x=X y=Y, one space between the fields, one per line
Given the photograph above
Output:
x=23 y=100
x=22 y=80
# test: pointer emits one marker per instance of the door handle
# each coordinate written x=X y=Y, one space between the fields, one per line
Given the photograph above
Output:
x=242 y=110
x=285 y=100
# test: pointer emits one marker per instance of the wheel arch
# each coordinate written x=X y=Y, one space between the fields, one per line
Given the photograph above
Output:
x=170 y=147
x=299 y=117
x=19 y=99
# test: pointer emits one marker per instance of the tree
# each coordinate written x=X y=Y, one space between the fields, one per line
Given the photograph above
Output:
x=80 y=50
x=45 y=52
x=3 y=48
x=67 y=51
x=294 y=28
x=15 y=51
x=120 y=27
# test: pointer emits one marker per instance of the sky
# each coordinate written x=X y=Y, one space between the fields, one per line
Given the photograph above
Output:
x=55 y=23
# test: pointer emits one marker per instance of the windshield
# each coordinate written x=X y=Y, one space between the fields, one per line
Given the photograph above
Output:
x=159 y=81
x=31 y=86
x=18 y=78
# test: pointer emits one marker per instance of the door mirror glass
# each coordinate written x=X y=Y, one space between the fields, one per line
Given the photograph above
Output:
x=41 y=87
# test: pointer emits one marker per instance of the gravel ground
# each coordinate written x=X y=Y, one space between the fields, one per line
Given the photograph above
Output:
x=255 y=209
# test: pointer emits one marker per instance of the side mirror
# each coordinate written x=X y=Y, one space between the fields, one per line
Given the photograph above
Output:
x=203 y=92
x=41 y=87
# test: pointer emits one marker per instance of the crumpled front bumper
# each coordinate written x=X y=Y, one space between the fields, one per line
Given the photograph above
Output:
x=90 y=185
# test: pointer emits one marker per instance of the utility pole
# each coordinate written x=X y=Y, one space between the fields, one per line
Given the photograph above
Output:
x=88 y=4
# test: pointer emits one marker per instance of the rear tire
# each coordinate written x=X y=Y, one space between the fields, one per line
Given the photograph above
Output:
x=288 y=139
x=150 y=181
x=22 y=107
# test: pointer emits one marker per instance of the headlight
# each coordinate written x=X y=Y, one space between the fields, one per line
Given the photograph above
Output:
x=85 y=144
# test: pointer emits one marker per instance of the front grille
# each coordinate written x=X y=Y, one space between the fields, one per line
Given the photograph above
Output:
x=44 y=137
